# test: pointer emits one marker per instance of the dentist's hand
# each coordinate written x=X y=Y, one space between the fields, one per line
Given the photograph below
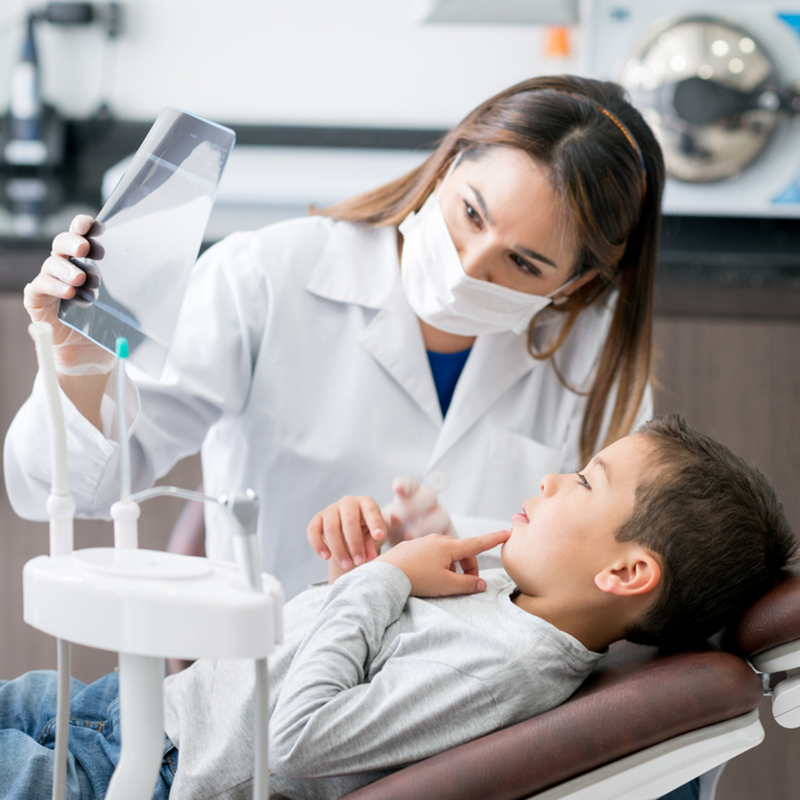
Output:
x=430 y=563
x=349 y=532
x=74 y=354
x=415 y=511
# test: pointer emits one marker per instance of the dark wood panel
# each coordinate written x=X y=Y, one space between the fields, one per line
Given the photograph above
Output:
x=740 y=381
x=675 y=296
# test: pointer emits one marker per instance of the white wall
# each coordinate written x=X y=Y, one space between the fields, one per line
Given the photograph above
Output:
x=316 y=62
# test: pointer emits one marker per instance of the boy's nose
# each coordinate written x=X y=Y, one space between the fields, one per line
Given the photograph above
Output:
x=549 y=484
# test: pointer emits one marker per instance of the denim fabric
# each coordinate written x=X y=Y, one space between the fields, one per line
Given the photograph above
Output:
x=27 y=739
x=689 y=791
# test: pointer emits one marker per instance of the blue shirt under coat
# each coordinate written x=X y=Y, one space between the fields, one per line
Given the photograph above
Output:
x=446 y=369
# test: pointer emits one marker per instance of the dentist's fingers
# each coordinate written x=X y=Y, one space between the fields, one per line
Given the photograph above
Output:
x=81 y=224
x=70 y=245
x=422 y=500
x=44 y=290
x=58 y=277
x=411 y=503
x=405 y=486
x=437 y=521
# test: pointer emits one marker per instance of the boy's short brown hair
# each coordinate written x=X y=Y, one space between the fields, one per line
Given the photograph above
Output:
x=718 y=527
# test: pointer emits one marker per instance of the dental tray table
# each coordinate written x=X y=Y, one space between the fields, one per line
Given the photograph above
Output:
x=151 y=603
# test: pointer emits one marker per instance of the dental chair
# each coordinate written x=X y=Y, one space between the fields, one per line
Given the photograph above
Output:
x=642 y=725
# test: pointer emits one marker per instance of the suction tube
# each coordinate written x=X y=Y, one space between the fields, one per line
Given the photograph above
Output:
x=122 y=422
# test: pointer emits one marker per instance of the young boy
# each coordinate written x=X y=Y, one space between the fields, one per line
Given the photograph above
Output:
x=662 y=539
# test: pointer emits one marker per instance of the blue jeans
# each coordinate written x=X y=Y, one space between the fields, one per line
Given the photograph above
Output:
x=27 y=739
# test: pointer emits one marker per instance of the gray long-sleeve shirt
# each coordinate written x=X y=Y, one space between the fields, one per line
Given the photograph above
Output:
x=369 y=679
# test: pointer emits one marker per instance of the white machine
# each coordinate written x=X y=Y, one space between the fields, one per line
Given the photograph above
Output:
x=717 y=80
x=146 y=605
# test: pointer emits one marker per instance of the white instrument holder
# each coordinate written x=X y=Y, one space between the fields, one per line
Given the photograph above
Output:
x=146 y=605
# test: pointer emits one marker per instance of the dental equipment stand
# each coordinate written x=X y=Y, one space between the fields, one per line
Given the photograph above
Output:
x=145 y=604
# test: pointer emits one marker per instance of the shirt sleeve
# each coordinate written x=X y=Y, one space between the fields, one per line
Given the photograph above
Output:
x=208 y=373
x=338 y=712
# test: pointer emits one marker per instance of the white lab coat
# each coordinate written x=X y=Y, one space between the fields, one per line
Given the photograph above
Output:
x=299 y=368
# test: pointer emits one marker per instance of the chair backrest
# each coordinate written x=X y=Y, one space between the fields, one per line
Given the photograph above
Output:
x=636 y=698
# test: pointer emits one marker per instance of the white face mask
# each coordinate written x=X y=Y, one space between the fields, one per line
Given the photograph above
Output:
x=443 y=295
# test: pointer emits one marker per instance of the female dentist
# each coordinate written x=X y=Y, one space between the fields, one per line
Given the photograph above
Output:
x=475 y=324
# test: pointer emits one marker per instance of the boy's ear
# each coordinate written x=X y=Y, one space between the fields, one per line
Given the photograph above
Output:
x=636 y=574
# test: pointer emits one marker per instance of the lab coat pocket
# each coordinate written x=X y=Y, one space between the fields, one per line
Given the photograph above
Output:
x=516 y=465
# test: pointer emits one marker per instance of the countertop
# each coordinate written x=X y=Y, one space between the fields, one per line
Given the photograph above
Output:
x=707 y=266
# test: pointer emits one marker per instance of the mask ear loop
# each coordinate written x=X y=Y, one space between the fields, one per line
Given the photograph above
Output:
x=560 y=301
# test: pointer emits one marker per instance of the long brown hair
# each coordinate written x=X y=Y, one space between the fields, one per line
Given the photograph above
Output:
x=604 y=161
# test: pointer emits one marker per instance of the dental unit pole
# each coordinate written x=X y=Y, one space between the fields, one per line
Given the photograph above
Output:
x=141 y=699
x=61 y=511
x=243 y=510
x=146 y=604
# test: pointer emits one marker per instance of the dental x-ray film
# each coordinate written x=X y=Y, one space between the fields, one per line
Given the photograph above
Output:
x=146 y=238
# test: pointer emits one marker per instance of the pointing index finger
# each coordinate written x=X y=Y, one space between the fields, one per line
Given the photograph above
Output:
x=478 y=544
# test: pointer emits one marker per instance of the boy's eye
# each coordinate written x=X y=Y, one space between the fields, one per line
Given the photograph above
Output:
x=582 y=480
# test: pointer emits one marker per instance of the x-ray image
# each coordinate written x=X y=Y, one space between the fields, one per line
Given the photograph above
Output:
x=146 y=238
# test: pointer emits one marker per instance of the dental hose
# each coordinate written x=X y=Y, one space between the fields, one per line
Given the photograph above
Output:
x=122 y=422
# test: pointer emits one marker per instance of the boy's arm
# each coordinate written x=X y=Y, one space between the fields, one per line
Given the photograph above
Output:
x=340 y=711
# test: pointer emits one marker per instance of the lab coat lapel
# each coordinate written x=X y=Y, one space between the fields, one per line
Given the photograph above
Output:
x=360 y=265
x=394 y=340
x=496 y=363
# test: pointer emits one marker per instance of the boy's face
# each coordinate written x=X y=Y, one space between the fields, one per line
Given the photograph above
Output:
x=566 y=535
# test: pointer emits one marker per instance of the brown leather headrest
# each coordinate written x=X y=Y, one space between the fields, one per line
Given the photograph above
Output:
x=772 y=620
